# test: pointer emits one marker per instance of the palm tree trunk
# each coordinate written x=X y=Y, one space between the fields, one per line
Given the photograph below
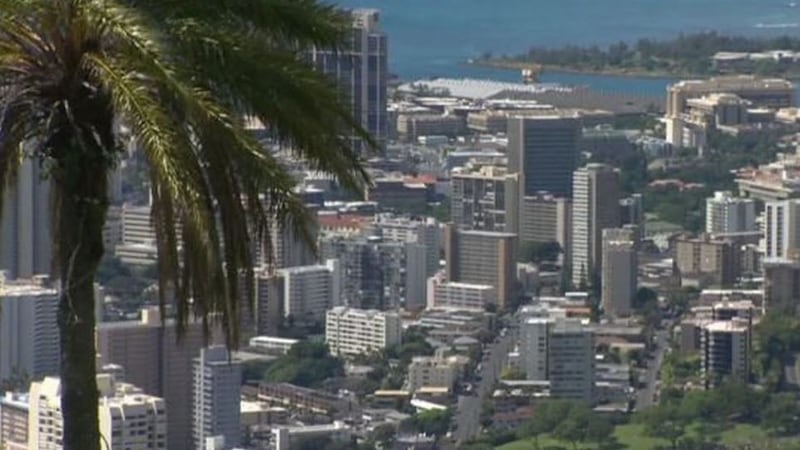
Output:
x=80 y=209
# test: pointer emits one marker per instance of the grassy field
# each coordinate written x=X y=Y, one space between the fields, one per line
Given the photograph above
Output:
x=631 y=436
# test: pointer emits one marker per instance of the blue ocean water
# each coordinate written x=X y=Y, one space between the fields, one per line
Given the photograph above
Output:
x=430 y=38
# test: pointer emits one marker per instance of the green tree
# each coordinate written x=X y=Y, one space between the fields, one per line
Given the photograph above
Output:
x=538 y=252
x=306 y=364
x=181 y=76
x=664 y=422
x=781 y=415
x=435 y=422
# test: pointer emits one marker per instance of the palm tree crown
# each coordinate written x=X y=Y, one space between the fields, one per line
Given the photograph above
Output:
x=182 y=75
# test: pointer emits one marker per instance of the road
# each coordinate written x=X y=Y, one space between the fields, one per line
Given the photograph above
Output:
x=645 y=395
x=467 y=419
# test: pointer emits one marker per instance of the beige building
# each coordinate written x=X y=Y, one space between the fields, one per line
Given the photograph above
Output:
x=545 y=218
x=705 y=261
x=775 y=181
x=154 y=360
x=445 y=294
x=351 y=332
x=14 y=421
x=482 y=198
x=435 y=371
x=482 y=257
x=619 y=273
x=595 y=207
x=129 y=419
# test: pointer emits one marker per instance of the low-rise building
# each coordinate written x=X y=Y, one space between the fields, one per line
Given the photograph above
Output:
x=454 y=295
x=435 y=371
x=352 y=332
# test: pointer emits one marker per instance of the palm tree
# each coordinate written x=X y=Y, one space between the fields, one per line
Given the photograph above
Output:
x=181 y=75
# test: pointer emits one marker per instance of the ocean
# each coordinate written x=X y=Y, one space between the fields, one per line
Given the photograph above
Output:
x=435 y=38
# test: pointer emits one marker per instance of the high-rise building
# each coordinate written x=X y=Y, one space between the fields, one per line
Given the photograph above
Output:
x=534 y=344
x=619 y=271
x=571 y=361
x=350 y=332
x=155 y=360
x=309 y=291
x=479 y=197
x=706 y=261
x=482 y=257
x=29 y=338
x=14 y=408
x=782 y=285
x=545 y=218
x=632 y=211
x=361 y=71
x=543 y=150
x=725 y=352
x=25 y=239
x=595 y=207
x=781 y=223
x=215 y=407
x=128 y=418
x=728 y=214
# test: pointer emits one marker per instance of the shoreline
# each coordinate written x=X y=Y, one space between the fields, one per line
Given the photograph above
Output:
x=621 y=73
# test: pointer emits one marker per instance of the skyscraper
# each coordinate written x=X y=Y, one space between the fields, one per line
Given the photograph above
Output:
x=215 y=403
x=478 y=197
x=482 y=257
x=28 y=329
x=571 y=362
x=619 y=271
x=781 y=229
x=25 y=241
x=154 y=360
x=728 y=214
x=543 y=150
x=595 y=206
x=360 y=71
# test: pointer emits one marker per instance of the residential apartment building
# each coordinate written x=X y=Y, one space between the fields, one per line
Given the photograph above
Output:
x=728 y=214
x=434 y=371
x=533 y=347
x=445 y=294
x=128 y=418
x=725 y=352
x=705 y=261
x=217 y=379
x=309 y=291
x=29 y=337
x=360 y=70
x=595 y=207
x=14 y=421
x=545 y=218
x=482 y=257
x=480 y=197
x=155 y=360
x=619 y=271
x=781 y=222
x=350 y=332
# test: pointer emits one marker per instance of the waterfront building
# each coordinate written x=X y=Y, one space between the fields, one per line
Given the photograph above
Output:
x=543 y=150
x=482 y=257
x=350 y=332
x=595 y=206
x=360 y=70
